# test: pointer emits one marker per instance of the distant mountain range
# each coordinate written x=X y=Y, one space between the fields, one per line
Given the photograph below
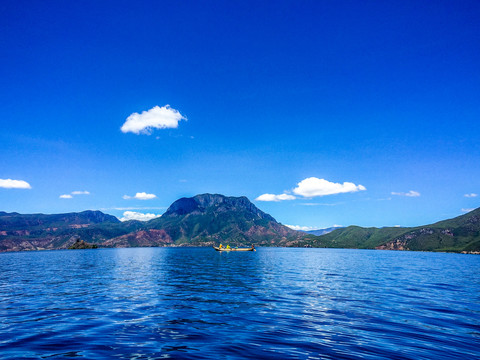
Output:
x=319 y=232
x=210 y=219
x=203 y=220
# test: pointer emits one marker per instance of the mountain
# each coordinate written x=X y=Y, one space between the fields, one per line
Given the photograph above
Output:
x=210 y=219
x=59 y=231
x=16 y=221
x=202 y=220
x=319 y=232
x=458 y=234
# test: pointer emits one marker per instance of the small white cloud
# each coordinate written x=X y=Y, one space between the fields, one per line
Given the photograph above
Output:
x=312 y=186
x=80 y=193
x=467 y=210
x=320 y=204
x=411 y=193
x=14 y=184
x=138 y=208
x=472 y=195
x=69 y=196
x=302 y=228
x=132 y=215
x=157 y=117
x=309 y=228
x=273 y=197
x=140 y=196
x=125 y=208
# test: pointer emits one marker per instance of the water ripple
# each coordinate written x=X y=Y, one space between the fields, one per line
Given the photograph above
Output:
x=160 y=303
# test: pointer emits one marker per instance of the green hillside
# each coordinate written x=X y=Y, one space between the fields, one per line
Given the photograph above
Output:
x=458 y=234
x=358 y=237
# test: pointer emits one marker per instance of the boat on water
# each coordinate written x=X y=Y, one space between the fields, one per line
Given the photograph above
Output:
x=222 y=248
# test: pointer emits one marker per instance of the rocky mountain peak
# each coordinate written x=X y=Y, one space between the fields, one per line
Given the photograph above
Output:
x=202 y=203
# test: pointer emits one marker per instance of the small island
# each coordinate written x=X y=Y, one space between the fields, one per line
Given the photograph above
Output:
x=81 y=244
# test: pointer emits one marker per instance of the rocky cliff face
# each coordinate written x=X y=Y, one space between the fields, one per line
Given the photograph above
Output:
x=203 y=203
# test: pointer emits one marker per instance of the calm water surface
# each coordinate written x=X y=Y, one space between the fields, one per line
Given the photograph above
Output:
x=275 y=303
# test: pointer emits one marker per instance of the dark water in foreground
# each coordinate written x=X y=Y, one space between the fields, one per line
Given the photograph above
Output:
x=195 y=303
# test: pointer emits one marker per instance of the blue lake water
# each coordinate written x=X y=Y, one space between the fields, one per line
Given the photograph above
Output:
x=275 y=303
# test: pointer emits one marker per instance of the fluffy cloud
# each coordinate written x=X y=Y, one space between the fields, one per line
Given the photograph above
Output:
x=66 y=196
x=312 y=186
x=80 y=192
x=472 y=195
x=156 y=118
x=132 y=215
x=14 y=184
x=273 y=197
x=140 y=196
x=411 y=193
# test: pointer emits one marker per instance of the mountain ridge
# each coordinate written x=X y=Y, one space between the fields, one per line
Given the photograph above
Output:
x=208 y=219
x=203 y=220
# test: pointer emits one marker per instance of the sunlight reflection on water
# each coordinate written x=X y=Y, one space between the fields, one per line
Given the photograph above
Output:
x=276 y=302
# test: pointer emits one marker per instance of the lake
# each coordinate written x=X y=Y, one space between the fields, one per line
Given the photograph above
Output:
x=275 y=303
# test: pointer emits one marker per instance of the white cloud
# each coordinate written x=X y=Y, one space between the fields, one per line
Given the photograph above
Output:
x=69 y=196
x=273 y=197
x=411 y=193
x=80 y=192
x=132 y=215
x=472 y=195
x=14 y=184
x=124 y=208
x=309 y=228
x=320 y=204
x=312 y=186
x=302 y=228
x=140 y=196
x=157 y=117
x=467 y=210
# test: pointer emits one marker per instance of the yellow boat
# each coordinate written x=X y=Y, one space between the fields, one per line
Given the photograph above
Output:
x=234 y=249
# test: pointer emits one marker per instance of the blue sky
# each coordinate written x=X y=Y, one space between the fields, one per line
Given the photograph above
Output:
x=352 y=112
